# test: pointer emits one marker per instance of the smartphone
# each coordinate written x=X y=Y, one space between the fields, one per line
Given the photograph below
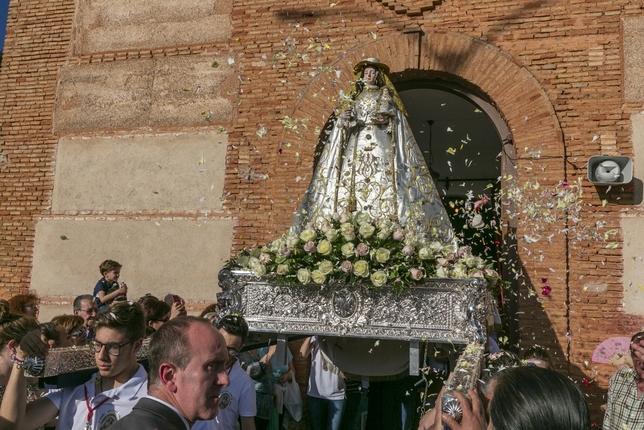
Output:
x=176 y=299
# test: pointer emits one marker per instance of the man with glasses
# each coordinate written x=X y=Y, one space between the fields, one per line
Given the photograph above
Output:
x=237 y=401
x=85 y=307
x=108 y=396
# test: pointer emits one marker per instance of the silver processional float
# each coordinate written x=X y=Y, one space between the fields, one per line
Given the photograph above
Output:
x=370 y=264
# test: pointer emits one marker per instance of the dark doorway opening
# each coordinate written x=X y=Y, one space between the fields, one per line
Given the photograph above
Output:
x=468 y=148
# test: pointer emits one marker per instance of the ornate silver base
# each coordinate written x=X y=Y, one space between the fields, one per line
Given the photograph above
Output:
x=438 y=311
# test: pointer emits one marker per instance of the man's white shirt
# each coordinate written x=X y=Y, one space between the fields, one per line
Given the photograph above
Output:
x=236 y=400
x=116 y=403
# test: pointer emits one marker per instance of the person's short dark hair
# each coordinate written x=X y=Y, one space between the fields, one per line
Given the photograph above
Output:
x=125 y=317
x=170 y=344
x=108 y=266
x=120 y=297
x=234 y=325
x=154 y=310
x=532 y=398
x=49 y=331
x=79 y=300
x=495 y=363
x=539 y=353
x=69 y=322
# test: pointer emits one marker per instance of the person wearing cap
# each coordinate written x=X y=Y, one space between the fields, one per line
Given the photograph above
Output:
x=369 y=162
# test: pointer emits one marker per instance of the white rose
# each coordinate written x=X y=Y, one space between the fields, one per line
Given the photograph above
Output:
x=318 y=277
x=362 y=218
x=425 y=253
x=304 y=276
x=308 y=235
x=366 y=230
x=282 y=269
x=436 y=246
x=292 y=240
x=276 y=245
x=348 y=232
x=331 y=235
x=382 y=255
x=361 y=268
x=324 y=247
x=378 y=278
x=442 y=272
x=348 y=249
x=384 y=234
x=326 y=267
x=257 y=268
x=460 y=272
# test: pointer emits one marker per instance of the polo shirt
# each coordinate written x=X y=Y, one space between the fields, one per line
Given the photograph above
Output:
x=236 y=400
x=110 y=405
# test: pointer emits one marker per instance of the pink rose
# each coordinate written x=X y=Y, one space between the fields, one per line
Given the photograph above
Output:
x=408 y=250
x=310 y=247
x=399 y=235
x=264 y=258
x=416 y=274
x=362 y=249
x=285 y=251
x=346 y=266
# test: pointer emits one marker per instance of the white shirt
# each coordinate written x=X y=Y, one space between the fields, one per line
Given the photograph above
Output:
x=324 y=380
x=236 y=400
x=72 y=407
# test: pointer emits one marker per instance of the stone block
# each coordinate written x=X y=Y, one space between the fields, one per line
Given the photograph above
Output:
x=104 y=25
x=170 y=91
x=158 y=256
x=179 y=172
x=633 y=58
x=633 y=277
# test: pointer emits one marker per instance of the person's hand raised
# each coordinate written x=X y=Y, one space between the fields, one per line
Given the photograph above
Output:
x=473 y=413
x=32 y=345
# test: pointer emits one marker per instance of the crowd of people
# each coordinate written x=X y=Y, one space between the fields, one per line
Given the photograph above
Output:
x=200 y=376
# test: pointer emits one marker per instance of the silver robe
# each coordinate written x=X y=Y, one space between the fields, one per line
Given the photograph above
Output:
x=372 y=164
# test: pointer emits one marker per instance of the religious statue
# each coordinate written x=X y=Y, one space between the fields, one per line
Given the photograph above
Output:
x=369 y=162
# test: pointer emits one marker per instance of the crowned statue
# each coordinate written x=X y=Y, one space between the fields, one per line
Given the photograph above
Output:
x=369 y=162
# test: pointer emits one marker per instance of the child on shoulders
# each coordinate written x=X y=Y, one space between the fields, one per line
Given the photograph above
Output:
x=103 y=291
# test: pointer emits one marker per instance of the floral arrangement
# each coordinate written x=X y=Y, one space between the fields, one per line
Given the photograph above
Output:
x=357 y=249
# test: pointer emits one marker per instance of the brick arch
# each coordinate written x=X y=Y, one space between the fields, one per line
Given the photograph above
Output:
x=517 y=94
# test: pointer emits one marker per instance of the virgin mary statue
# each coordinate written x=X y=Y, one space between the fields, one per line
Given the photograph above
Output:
x=369 y=162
